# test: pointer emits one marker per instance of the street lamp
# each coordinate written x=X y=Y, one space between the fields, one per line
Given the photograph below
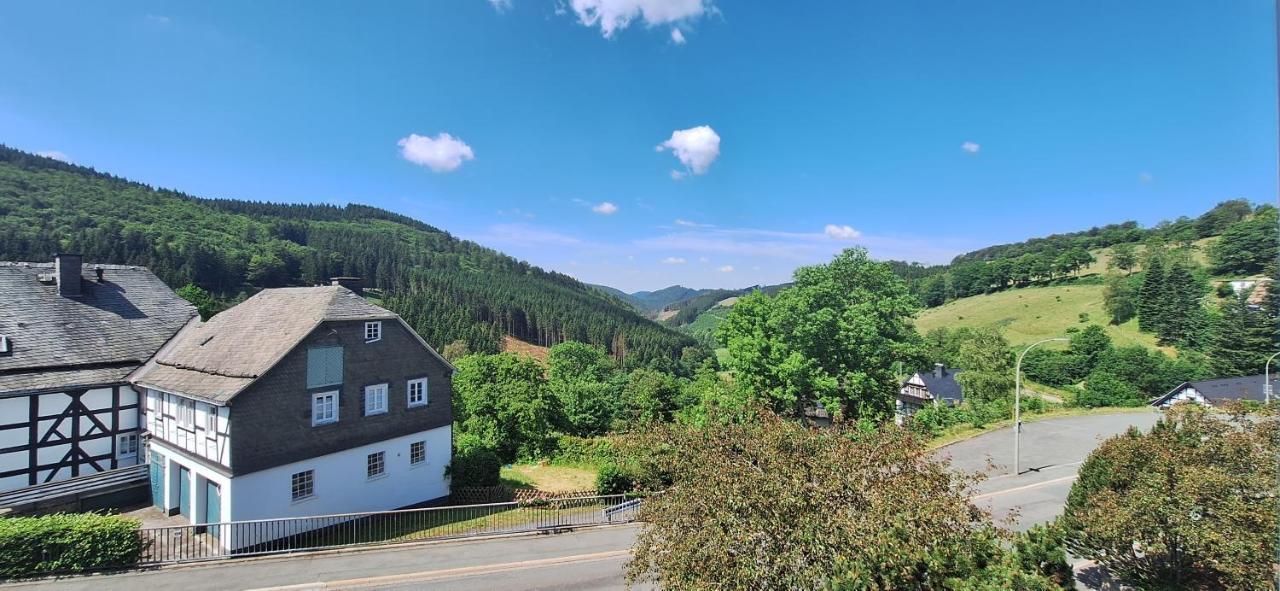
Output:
x=1266 y=378
x=1017 y=400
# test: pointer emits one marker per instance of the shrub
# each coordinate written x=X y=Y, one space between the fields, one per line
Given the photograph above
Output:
x=474 y=466
x=1106 y=389
x=1188 y=505
x=612 y=480
x=67 y=542
x=583 y=451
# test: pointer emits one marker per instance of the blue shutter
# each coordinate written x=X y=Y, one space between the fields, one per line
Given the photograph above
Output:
x=324 y=366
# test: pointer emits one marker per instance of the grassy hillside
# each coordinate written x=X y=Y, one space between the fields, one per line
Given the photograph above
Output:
x=1033 y=313
x=446 y=288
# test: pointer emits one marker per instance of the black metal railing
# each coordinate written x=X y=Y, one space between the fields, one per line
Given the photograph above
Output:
x=211 y=541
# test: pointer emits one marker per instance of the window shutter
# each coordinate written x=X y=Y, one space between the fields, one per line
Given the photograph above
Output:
x=324 y=366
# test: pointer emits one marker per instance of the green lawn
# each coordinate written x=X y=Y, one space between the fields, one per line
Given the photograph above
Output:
x=549 y=478
x=1030 y=314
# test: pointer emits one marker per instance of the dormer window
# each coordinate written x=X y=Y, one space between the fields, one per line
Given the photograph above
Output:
x=4 y=345
x=372 y=331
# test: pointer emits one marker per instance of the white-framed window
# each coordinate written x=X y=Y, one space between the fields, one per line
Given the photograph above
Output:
x=127 y=446
x=324 y=408
x=417 y=392
x=376 y=464
x=211 y=419
x=303 y=485
x=372 y=331
x=417 y=453
x=186 y=413
x=375 y=399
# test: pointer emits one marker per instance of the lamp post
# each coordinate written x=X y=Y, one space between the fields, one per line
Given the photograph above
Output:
x=1017 y=401
x=1266 y=378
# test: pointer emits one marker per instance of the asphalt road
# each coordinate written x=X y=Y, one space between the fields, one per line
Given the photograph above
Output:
x=592 y=559
x=1052 y=451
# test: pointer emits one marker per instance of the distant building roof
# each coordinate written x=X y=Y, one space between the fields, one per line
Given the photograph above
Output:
x=941 y=383
x=1217 y=390
x=217 y=359
x=95 y=338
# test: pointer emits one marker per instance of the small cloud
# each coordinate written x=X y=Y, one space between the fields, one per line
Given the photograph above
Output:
x=443 y=153
x=615 y=15
x=500 y=5
x=841 y=232
x=605 y=208
x=56 y=155
x=726 y=269
x=677 y=37
x=673 y=261
x=1145 y=177
x=704 y=260
x=696 y=148
x=971 y=148
x=159 y=20
x=688 y=224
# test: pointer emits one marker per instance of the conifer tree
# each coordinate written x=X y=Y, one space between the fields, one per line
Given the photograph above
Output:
x=1182 y=317
x=1151 y=297
x=1243 y=337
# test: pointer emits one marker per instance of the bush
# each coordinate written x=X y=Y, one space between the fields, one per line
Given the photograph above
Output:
x=474 y=466
x=1106 y=389
x=612 y=480
x=67 y=542
x=582 y=451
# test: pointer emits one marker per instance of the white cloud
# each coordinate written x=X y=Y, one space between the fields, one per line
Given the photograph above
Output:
x=841 y=232
x=726 y=269
x=605 y=208
x=677 y=37
x=1146 y=177
x=673 y=261
x=526 y=235
x=443 y=153
x=688 y=224
x=56 y=155
x=500 y=5
x=159 y=20
x=971 y=147
x=696 y=147
x=704 y=260
x=615 y=15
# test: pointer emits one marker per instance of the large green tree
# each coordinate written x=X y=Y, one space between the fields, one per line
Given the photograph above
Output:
x=1247 y=246
x=987 y=362
x=578 y=374
x=838 y=336
x=1152 y=295
x=502 y=402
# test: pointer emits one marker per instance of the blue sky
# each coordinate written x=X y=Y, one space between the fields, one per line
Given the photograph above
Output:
x=641 y=143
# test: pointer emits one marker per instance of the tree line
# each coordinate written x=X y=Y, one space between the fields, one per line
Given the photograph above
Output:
x=447 y=289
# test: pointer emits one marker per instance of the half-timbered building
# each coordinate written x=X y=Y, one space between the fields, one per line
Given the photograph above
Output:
x=69 y=336
x=297 y=402
x=929 y=387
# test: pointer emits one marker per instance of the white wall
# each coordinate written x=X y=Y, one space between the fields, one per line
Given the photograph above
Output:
x=1185 y=394
x=199 y=474
x=212 y=445
x=16 y=410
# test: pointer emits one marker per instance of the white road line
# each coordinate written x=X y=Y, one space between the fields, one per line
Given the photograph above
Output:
x=435 y=575
x=1022 y=488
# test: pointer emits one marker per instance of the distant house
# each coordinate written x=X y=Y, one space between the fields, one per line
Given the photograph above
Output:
x=298 y=401
x=69 y=335
x=1214 y=392
x=929 y=387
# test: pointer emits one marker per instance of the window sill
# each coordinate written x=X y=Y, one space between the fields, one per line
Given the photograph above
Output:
x=303 y=499
x=378 y=477
x=367 y=341
x=375 y=413
x=418 y=405
x=324 y=424
x=417 y=465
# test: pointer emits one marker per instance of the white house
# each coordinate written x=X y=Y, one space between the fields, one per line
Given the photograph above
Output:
x=69 y=335
x=1215 y=392
x=297 y=402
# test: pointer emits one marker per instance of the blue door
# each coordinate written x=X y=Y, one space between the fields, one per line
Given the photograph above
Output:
x=157 y=480
x=184 y=491
x=212 y=506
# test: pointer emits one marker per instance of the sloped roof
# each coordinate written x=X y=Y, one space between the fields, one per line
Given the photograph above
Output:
x=1241 y=388
x=945 y=386
x=215 y=360
x=95 y=338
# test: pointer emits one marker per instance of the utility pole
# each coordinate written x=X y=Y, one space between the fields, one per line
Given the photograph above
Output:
x=1017 y=399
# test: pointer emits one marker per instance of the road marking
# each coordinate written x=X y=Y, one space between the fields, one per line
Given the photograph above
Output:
x=433 y=575
x=1022 y=488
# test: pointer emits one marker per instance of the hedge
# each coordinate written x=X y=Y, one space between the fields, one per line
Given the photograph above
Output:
x=474 y=467
x=67 y=542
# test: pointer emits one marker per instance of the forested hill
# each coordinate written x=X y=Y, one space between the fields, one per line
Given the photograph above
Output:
x=448 y=289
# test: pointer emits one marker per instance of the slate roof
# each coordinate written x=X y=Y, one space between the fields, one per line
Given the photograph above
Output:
x=218 y=359
x=94 y=339
x=944 y=387
x=1241 y=388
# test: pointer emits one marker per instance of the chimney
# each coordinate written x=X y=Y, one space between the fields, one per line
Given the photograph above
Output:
x=939 y=369
x=66 y=267
x=97 y=271
x=351 y=283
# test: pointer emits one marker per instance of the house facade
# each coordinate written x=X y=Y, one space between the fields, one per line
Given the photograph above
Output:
x=938 y=386
x=296 y=402
x=69 y=335
x=1215 y=392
